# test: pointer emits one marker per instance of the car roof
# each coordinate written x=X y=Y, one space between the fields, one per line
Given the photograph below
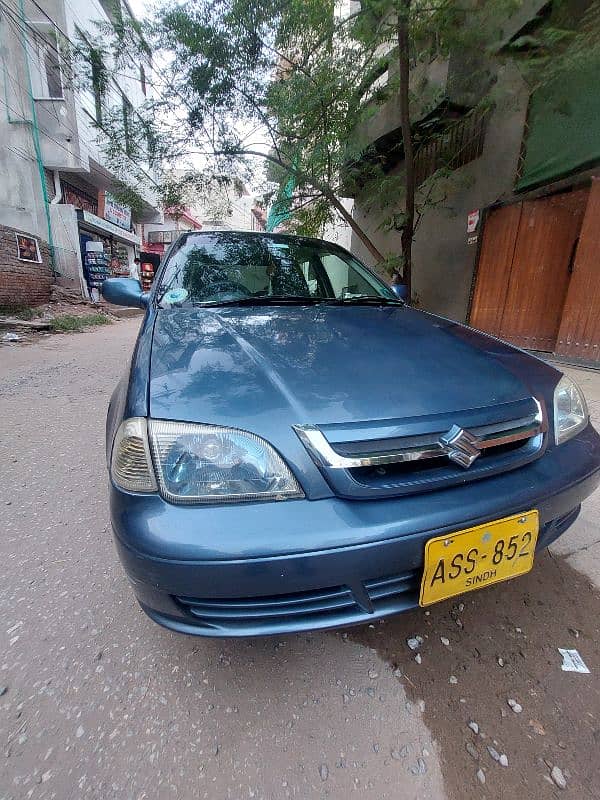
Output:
x=263 y=234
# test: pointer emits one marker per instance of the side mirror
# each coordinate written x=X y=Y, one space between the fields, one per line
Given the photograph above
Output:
x=400 y=290
x=124 y=292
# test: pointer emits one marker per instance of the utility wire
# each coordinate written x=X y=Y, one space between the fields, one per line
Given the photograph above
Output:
x=77 y=48
x=169 y=87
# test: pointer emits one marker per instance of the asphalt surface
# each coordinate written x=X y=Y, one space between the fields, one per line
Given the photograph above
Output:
x=96 y=701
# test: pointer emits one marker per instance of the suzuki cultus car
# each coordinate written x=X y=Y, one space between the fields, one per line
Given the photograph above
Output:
x=292 y=447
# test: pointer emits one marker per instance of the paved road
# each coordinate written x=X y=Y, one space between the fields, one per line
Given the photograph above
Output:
x=101 y=703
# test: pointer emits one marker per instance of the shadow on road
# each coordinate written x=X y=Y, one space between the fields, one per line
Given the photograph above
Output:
x=519 y=624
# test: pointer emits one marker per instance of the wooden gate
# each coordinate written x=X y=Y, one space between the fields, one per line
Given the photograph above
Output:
x=495 y=264
x=526 y=259
x=579 y=334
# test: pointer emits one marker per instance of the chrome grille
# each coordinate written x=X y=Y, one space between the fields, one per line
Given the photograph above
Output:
x=432 y=453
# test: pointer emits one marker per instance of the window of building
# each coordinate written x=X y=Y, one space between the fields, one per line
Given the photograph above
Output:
x=93 y=88
x=150 y=141
x=98 y=82
x=46 y=63
x=74 y=196
x=257 y=222
x=162 y=237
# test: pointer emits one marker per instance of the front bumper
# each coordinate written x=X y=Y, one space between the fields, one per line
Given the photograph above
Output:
x=267 y=568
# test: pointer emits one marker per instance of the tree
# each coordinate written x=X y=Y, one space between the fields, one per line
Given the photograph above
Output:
x=408 y=228
x=294 y=84
x=265 y=81
x=302 y=75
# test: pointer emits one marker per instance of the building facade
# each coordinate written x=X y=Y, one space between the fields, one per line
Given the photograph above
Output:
x=225 y=207
x=157 y=236
x=505 y=242
x=61 y=88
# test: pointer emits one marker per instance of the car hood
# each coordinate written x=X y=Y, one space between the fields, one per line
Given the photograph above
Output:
x=255 y=368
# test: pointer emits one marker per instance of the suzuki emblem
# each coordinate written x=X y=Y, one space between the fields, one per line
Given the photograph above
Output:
x=462 y=446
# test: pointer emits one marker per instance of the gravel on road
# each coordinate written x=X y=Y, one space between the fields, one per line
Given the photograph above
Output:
x=96 y=701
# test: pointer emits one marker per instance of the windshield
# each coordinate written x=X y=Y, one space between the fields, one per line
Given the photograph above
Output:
x=225 y=268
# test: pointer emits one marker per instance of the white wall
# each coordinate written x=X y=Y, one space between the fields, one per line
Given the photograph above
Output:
x=21 y=199
x=443 y=260
x=66 y=243
x=84 y=16
x=223 y=209
x=68 y=139
x=339 y=231
x=170 y=224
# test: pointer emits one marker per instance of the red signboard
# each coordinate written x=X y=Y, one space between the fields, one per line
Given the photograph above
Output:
x=472 y=221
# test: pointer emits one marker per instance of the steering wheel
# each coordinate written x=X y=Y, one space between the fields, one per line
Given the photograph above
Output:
x=224 y=290
x=225 y=284
x=228 y=287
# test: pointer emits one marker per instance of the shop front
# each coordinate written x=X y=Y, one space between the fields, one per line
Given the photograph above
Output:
x=158 y=237
x=150 y=262
x=107 y=250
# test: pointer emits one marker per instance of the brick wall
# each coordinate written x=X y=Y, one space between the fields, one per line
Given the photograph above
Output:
x=22 y=283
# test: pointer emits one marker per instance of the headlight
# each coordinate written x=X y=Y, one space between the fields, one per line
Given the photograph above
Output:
x=570 y=410
x=209 y=464
x=130 y=464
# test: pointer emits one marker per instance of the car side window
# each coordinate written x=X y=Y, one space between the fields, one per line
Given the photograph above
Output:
x=313 y=280
x=345 y=280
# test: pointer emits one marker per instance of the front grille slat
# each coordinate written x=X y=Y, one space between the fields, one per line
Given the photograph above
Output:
x=379 y=590
x=326 y=607
x=300 y=599
x=279 y=608
x=388 y=595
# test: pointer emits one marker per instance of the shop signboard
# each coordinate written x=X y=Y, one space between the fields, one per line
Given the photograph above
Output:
x=104 y=228
x=472 y=226
x=117 y=213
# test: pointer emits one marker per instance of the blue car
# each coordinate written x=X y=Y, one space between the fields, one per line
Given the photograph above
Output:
x=292 y=447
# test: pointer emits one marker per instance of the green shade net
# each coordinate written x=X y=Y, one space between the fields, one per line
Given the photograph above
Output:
x=281 y=208
x=564 y=128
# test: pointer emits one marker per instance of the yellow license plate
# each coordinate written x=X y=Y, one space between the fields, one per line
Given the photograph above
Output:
x=477 y=557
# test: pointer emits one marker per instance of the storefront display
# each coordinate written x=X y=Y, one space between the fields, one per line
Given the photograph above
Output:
x=118 y=248
x=119 y=258
x=146 y=276
x=122 y=256
x=96 y=267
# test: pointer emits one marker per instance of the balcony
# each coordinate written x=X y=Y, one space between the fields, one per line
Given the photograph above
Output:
x=442 y=87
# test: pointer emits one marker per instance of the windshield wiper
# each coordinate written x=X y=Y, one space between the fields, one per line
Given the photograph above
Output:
x=265 y=300
x=300 y=300
x=366 y=300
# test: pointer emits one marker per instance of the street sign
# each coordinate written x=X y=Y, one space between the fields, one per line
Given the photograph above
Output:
x=472 y=221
